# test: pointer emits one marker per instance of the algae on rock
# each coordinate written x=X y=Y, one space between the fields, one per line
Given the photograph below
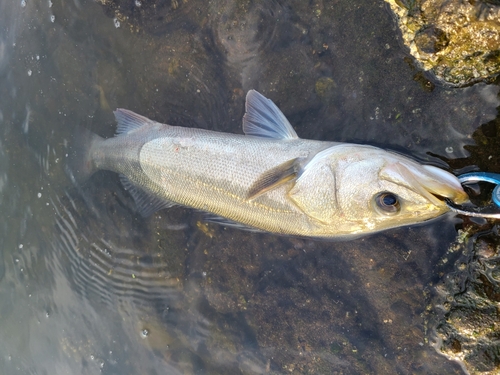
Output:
x=457 y=41
x=464 y=318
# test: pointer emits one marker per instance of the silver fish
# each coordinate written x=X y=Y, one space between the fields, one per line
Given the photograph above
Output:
x=269 y=179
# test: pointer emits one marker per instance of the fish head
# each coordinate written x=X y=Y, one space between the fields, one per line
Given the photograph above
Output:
x=366 y=189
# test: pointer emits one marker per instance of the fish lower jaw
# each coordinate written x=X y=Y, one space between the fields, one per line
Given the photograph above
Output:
x=426 y=212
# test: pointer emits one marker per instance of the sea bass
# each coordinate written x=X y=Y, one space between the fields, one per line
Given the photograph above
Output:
x=270 y=179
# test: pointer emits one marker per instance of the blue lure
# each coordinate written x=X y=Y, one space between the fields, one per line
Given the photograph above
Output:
x=485 y=212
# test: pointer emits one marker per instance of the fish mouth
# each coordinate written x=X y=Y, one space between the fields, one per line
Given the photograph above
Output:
x=443 y=185
x=433 y=183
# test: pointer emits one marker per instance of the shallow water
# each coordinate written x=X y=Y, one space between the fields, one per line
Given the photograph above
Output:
x=89 y=286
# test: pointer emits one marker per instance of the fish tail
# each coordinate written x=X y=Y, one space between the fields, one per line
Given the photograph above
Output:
x=80 y=164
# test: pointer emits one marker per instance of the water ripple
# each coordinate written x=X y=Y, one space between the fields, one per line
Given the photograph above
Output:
x=101 y=268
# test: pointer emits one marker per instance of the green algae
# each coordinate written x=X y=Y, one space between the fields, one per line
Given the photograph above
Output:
x=457 y=41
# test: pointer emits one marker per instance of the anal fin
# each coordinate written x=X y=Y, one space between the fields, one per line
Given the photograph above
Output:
x=146 y=203
x=212 y=218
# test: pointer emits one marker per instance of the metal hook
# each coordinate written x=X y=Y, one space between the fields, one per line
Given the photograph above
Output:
x=484 y=212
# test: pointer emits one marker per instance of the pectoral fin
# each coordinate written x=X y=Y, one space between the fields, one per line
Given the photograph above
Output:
x=275 y=177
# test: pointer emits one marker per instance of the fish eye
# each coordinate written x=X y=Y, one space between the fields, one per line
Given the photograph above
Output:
x=387 y=202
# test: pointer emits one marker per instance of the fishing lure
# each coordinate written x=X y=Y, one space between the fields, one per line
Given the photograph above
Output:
x=491 y=211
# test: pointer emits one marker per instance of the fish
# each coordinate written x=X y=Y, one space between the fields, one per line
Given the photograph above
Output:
x=268 y=179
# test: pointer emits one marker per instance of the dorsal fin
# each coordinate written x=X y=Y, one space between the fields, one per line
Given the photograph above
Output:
x=264 y=119
x=128 y=121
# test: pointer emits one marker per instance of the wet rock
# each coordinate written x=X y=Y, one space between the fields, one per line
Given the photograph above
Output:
x=457 y=41
x=312 y=310
x=431 y=39
x=464 y=321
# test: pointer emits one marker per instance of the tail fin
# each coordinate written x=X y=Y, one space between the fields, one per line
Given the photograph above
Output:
x=80 y=165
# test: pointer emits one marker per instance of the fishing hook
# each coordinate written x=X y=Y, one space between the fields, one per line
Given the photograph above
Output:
x=474 y=211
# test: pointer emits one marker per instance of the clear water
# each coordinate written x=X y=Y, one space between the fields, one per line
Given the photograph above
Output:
x=88 y=286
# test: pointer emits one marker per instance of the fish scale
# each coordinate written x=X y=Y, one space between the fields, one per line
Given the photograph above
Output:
x=180 y=175
x=269 y=179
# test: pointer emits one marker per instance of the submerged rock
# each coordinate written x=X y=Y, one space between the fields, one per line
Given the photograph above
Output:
x=157 y=17
x=464 y=323
x=457 y=41
x=463 y=318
